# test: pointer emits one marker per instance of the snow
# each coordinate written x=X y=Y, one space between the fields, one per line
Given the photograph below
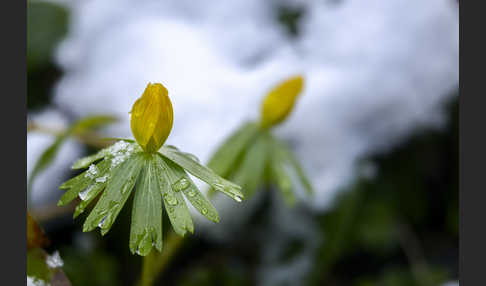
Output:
x=34 y=281
x=375 y=71
x=54 y=260
x=92 y=171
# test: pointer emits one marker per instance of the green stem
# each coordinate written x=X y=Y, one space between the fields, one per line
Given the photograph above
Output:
x=155 y=262
x=147 y=276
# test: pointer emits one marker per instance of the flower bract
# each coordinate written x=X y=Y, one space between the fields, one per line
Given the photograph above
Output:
x=252 y=158
x=155 y=173
x=157 y=179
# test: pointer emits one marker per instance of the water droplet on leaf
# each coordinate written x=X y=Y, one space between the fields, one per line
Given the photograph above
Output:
x=192 y=157
x=170 y=199
x=84 y=194
x=100 y=224
x=191 y=193
x=180 y=185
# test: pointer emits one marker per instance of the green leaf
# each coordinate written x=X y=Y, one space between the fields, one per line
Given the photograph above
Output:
x=86 y=161
x=292 y=160
x=192 y=193
x=282 y=179
x=223 y=160
x=118 y=139
x=91 y=122
x=200 y=202
x=117 y=191
x=79 y=179
x=92 y=194
x=86 y=182
x=202 y=172
x=146 y=228
x=251 y=171
x=50 y=153
x=46 y=159
x=116 y=149
x=174 y=202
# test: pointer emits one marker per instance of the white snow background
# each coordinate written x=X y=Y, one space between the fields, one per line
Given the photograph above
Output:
x=375 y=71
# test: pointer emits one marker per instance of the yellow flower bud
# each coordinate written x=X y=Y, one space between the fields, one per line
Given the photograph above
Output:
x=151 y=117
x=280 y=100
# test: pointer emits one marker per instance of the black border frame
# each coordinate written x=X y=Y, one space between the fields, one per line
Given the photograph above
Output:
x=13 y=23
x=472 y=142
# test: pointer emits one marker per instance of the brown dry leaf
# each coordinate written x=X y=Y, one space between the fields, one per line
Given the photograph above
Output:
x=35 y=235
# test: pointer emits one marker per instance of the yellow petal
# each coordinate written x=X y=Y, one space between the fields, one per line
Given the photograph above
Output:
x=280 y=100
x=151 y=117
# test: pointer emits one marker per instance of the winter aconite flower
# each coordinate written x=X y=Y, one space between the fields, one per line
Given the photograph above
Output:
x=252 y=157
x=280 y=100
x=156 y=172
x=152 y=117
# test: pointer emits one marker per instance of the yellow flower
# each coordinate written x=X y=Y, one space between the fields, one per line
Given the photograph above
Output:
x=151 y=117
x=280 y=100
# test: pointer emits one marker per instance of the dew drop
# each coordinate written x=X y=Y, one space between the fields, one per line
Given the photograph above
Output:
x=238 y=198
x=84 y=194
x=101 y=179
x=218 y=186
x=204 y=210
x=100 y=224
x=180 y=185
x=192 y=157
x=170 y=199
x=126 y=186
x=113 y=205
x=191 y=193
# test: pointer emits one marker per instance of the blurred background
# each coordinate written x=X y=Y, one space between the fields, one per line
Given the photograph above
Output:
x=375 y=129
